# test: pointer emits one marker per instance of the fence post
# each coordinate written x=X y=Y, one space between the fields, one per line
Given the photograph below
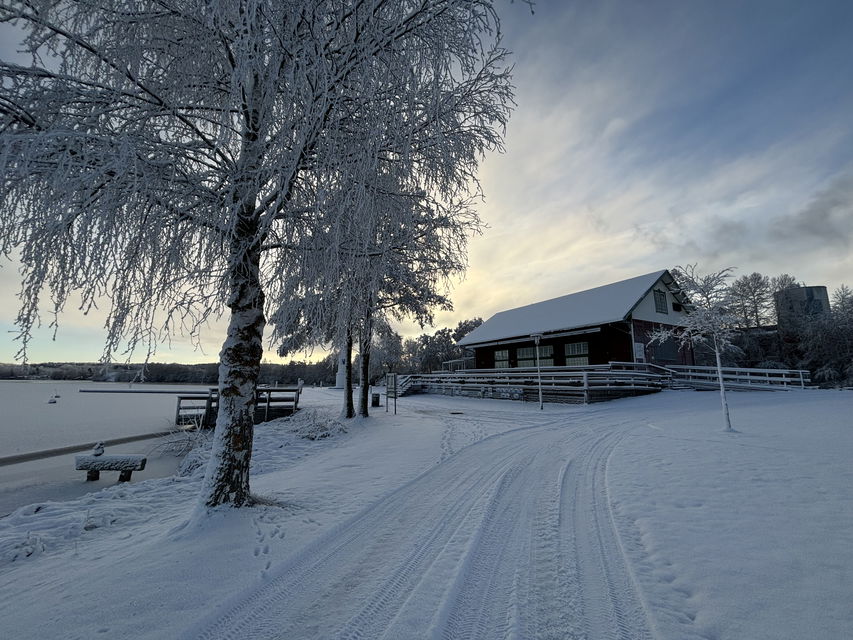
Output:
x=802 y=382
x=586 y=387
x=207 y=418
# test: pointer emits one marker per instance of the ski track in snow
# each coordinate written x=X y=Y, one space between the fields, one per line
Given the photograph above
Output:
x=524 y=547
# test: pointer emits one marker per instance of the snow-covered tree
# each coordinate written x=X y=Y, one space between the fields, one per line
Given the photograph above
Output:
x=842 y=300
x=826 y=340
x=709 y=321
x=751 y=299
x=428 y=352
x=164 y=158
x=387 y=351
x=464 y=327
x=395 y=260
x=783 y=281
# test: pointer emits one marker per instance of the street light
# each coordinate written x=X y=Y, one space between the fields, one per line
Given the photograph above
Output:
x=536 y=337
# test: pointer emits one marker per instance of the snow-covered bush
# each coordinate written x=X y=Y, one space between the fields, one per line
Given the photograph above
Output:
x=195 y=461
x=314 y=424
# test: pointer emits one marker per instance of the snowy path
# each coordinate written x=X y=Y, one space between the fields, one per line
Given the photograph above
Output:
x=523 y=546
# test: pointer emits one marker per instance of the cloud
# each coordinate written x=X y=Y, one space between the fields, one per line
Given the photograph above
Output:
x=827 y=221
x=658 y=133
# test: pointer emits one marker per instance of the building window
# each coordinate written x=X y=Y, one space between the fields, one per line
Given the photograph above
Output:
x=577 y=349
x=577 y=354
x=502 y=359
x=527 y=356
x=660 y=302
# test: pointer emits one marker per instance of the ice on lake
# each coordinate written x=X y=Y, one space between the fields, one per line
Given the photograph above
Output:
x=29 y=422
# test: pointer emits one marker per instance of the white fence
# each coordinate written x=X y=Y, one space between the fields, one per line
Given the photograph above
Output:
x=734 y=377
x=741 y=378
x=594 y=383
x=559 y=384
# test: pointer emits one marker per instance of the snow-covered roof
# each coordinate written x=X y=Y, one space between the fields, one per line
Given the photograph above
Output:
x=610 y=303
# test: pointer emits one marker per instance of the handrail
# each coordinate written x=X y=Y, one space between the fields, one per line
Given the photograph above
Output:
x=609 y=377
x=685 y=367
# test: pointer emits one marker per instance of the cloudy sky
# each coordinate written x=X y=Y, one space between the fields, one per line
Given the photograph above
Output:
x=647 y=134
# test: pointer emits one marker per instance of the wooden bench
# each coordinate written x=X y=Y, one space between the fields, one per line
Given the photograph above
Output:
x=126 y=464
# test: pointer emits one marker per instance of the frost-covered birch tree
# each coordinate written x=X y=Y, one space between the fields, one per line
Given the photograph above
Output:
x=409 y=271
x=162 y=158
x=709 y=321
x=394 y=259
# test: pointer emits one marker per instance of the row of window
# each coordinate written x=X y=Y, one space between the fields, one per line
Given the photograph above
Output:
x=577 y=355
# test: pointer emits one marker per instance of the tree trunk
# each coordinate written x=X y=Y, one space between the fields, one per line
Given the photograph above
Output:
x=227 y=477
x=364 y=348
x=725 y=402
x=349 y=409
x=365 y=387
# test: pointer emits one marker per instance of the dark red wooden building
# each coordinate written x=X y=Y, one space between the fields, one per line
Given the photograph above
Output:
x=611 y=323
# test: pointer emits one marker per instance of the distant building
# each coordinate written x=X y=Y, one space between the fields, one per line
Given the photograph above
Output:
x=611 y=323
x=798 y=303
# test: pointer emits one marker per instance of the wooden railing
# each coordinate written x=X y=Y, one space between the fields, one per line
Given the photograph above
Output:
x=559 y=384
x=596 y=382
x=199 y=410
x=404 y=386
x=734 y=377
x=741 y=378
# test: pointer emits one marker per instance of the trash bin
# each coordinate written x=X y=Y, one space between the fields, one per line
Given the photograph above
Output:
x=374 y=400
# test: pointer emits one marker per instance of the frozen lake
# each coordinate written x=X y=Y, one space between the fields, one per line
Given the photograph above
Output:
x=28 y=423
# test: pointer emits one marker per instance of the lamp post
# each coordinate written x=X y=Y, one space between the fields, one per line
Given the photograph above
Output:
x=536 y=337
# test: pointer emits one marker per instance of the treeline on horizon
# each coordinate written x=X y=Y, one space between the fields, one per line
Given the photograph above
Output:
x=156 y=372
x=391 y=352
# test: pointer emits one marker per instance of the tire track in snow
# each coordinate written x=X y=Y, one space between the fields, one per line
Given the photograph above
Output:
x=481 y=598
x=338 y=560
x=511 y=537
x=613 y=606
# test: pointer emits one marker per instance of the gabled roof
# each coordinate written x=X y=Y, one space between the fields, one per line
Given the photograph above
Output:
x=602 y=305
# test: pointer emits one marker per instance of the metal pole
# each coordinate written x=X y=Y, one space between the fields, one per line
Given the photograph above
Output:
x=536 y=338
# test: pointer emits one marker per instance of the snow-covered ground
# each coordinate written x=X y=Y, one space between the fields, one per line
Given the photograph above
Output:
x=463 y=518
x=55 y=478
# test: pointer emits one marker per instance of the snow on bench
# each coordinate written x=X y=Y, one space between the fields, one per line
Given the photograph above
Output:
x=95 y=462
